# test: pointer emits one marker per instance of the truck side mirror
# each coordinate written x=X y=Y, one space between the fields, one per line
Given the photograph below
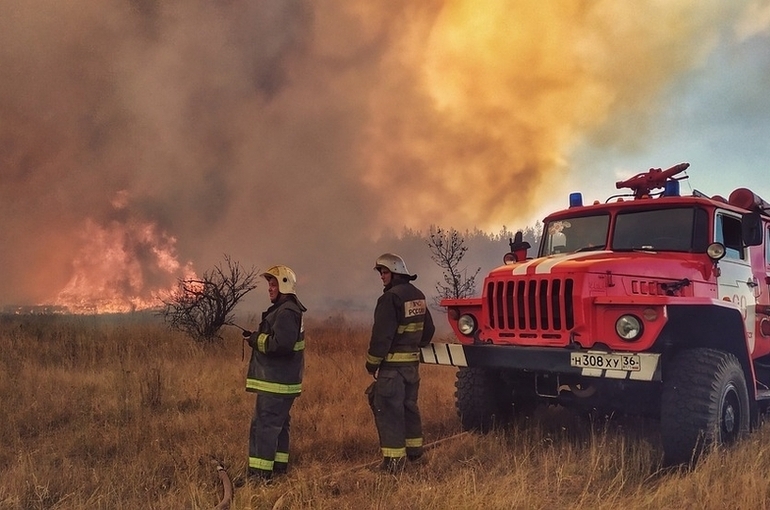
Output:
x=751 y=229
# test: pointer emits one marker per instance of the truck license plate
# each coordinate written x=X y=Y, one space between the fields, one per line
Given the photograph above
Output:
x=627 y=362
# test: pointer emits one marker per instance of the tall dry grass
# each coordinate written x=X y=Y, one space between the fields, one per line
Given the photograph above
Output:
x=120 y=413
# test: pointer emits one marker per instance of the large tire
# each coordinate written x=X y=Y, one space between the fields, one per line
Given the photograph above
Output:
x=483 y=399
x=705 y=402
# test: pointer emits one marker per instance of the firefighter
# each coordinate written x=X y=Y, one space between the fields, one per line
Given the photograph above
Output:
x=275 y=374
x=402 y=324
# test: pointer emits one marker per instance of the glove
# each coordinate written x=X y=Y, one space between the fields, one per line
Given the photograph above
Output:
x=246 y=333
x=372 y=368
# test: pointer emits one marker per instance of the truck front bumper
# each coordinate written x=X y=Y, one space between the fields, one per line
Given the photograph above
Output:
x=544 y=360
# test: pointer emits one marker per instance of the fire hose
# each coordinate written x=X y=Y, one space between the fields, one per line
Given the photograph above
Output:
x=279 y=502
x=227 y=484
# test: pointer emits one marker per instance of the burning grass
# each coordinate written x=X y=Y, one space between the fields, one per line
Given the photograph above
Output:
x=120 y=413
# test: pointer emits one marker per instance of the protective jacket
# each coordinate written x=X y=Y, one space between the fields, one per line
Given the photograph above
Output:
x=277 y=357
x=402 y=324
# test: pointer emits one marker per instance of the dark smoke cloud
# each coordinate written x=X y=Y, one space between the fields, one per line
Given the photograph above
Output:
x=301 y=132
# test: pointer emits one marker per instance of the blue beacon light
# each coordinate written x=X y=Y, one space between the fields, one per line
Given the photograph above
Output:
x=671 y=189
x=576 y=199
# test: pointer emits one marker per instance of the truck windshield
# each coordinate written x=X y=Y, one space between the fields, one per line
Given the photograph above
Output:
x=680 y=229
x=576 y=234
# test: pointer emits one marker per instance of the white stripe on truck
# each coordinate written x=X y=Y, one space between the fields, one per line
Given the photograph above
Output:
x=444 y=354
x=544 y=265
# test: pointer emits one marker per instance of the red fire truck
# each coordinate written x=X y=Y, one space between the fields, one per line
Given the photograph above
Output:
x=652 y=303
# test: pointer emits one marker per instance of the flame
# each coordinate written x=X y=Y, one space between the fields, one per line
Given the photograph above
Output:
x=122 y=267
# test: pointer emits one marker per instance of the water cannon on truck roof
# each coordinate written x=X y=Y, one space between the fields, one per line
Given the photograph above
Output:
x=642 y=184
x=657 y=305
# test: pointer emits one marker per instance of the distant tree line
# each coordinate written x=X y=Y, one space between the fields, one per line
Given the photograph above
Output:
x=201 y=306
x=448 y=248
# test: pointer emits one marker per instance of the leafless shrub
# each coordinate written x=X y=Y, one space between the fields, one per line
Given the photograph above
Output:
x=201 y=306
x=447 y=249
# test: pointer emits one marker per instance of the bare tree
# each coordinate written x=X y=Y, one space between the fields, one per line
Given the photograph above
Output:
x=447 y=249
x=201 y=306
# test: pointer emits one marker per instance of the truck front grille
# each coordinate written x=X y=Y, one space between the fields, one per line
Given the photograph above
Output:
x=535 y=306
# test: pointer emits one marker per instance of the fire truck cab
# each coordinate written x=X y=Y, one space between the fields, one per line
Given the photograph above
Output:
x=651 y=303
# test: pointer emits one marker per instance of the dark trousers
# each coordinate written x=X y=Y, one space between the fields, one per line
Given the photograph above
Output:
x=269 y=435
x=396 y=414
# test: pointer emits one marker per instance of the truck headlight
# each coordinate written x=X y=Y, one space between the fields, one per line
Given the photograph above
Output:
x=628 y=327
x=466 y=324
x=716 y=251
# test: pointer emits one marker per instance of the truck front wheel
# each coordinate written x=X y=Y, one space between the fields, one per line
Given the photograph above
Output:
x=483 y=398
x=705 y=402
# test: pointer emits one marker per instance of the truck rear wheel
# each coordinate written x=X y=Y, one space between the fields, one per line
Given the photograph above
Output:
x=705 y=402
x=483 y=399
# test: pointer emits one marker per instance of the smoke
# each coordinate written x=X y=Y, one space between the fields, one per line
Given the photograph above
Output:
x=304 y=132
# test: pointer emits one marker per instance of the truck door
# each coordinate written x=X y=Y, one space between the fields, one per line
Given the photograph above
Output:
x=737 y=283
x=762 y=272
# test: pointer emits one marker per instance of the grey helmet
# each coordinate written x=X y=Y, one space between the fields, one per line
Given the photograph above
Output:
x=393 y=263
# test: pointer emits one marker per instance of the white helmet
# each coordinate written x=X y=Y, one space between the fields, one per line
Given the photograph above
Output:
x=393 y=263
x=287 y=280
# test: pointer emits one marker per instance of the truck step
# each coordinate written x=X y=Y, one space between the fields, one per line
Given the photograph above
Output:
x=763 y=394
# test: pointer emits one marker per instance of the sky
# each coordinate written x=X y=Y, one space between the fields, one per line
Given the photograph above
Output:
x=140 y=140
x=716 y=117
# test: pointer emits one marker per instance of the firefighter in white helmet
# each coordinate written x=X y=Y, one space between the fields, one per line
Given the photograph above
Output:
x=275 y=373
x=402 y=324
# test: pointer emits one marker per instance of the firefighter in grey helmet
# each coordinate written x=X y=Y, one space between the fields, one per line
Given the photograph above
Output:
x=402 y=324
x=275 y=373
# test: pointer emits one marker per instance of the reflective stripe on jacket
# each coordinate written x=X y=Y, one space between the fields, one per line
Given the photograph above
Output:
x=277 y=355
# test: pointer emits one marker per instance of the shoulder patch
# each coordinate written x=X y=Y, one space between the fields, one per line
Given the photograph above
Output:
x=414 y=308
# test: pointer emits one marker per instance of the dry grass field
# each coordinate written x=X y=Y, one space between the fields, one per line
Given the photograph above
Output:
x=120 y=413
